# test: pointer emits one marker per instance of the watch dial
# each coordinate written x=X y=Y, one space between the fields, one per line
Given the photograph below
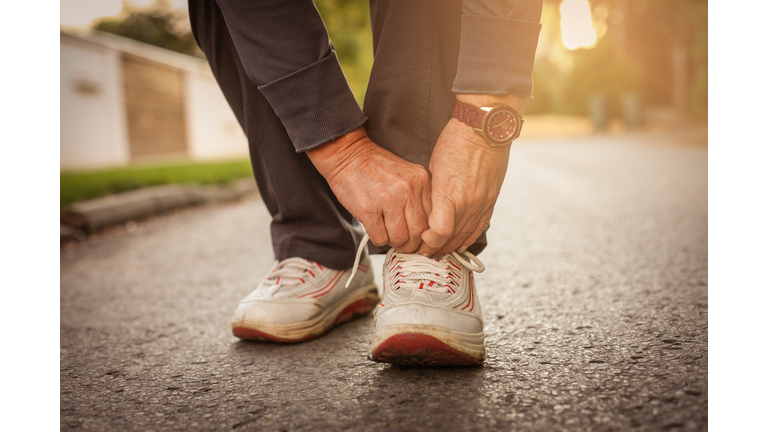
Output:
x=501 y=126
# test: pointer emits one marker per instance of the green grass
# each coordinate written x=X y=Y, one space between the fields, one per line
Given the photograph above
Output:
x=83 y=185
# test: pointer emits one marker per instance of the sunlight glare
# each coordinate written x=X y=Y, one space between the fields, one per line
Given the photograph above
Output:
x=576 y=25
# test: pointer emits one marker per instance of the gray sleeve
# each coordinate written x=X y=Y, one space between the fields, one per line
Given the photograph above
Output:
x=498 y=44
x=285 y=50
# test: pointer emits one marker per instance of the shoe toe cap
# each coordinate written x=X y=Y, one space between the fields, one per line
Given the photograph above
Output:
x=276 y=312
x=416 y=313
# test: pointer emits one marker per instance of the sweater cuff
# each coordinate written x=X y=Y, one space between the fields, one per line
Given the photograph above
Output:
x=496 y=56
x=315 y=103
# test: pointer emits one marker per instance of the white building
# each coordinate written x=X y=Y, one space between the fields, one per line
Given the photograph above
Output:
x=124 y=101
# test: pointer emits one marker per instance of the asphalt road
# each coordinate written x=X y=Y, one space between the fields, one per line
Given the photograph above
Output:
x=595 y=306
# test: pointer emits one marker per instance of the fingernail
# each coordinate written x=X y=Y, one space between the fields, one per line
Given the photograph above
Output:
x=424 y=254
x=463 y=249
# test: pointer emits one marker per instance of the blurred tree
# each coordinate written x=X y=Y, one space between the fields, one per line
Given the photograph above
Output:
x=347 y=21
x=656 y=49
x=159 y=25
x=348 y=24
x=601 y=71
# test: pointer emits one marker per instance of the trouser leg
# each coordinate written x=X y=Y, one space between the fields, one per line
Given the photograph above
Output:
x=409 y=99
x=307 y=219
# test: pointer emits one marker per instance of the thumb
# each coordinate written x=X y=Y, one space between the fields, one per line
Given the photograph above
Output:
x=441 y=225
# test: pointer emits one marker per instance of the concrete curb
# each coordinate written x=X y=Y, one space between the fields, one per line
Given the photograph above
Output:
x=92 y=215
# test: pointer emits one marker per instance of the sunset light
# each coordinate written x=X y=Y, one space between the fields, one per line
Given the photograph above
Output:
x=576 y=24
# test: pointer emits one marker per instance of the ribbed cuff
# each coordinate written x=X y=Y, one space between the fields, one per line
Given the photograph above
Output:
x=496 y=56
x=315 y=103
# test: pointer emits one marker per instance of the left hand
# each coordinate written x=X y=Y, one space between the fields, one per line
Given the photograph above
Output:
x=467 y=174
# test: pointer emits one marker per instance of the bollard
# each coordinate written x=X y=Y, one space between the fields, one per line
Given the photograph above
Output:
x=598 y=112
x=632 y=110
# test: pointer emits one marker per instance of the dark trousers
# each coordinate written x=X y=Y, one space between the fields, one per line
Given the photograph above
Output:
x=408 y=102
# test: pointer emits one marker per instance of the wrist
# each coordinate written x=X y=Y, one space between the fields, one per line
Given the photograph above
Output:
x=469 y=136
x=487 y=100
x=332 y=156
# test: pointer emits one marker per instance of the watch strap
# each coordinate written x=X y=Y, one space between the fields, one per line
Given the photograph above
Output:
x=469 y=114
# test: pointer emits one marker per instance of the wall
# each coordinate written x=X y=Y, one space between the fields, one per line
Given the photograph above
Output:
x=212 y=129
x=93 y=128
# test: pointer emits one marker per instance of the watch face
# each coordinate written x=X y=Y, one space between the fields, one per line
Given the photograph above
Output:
x=500 y=126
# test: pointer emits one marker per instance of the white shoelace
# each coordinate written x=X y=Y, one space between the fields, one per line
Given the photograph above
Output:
x=413 y=267
x=292 y=272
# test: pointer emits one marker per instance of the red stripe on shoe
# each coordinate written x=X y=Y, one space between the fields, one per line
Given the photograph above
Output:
x=471 y=298
x=331 y=283
x=330 y=286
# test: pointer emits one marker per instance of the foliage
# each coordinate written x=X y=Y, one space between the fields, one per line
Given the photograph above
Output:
x=159 y=25
x=83 y=185
x=635 y=55
x=348 y=24
x=602 y=71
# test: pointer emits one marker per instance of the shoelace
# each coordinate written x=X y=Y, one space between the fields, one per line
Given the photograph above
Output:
x=293 y=271
x=414 y=266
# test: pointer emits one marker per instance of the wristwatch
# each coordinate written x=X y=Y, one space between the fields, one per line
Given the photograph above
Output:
x=499 y=125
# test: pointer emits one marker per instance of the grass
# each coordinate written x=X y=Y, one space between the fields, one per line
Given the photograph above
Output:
x=84 y=185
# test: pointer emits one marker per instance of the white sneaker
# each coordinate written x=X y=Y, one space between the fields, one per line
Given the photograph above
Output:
x=430 y=313
x=300 y=300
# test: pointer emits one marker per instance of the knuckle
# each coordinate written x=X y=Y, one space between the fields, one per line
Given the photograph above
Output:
x=464 y=233
x=366 y=208
x=417 y=229
x=474 y=200
x=399 y=184
x=379 y=239
x=382 y=195
x=482 y=226
x=443 y=230
x=423 y=174
x=398 y=239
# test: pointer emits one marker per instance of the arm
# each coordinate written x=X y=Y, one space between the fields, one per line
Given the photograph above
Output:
x=467 y=173
x=286 y=52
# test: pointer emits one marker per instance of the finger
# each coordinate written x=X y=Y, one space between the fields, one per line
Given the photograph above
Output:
x=441 y=224
x=416 y=218
x=377 y=231
x=467 y=228
x=426 y=200
x=482 y=226
x=397 y=228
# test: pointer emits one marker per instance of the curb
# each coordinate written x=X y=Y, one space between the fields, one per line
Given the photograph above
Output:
x=92 y=215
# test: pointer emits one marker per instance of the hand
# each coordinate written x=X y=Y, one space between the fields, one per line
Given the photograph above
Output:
x=467 y=174
x=387 y=194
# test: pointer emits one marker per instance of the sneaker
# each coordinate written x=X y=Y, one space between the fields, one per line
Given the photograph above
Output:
x=300 y=300
x=430 y=313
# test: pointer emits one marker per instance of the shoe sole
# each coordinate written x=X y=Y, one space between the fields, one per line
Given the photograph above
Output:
x=427 y=346
x=354 y=307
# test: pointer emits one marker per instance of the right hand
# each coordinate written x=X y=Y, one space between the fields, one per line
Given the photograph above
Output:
x=390 y=196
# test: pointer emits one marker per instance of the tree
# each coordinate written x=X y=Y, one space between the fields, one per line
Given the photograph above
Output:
x=159 y=25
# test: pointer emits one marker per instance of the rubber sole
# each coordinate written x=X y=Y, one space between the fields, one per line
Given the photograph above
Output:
x=357 y=307
x=418 y=349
